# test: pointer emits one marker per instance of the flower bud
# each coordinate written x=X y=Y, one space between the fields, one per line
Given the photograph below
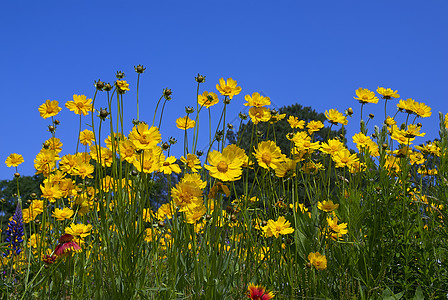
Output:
x=134 y=172
x=172 y=141
x=242 y=116
x=419 y=124
x=371 y=116
x=16 y=174
x=374 y=135
x=119 y=75
x=200 y=78
x=208 y=217
x=51 y=128
x=99 y=85
x=167 y=92
x=226 y=101
x=230 y=126
x=199 y=153
x=384 y=146
x=107 y=87
x=103 y=113
x=139 y=69
x=161 y=224
x=57 y=122
x=165 y=146
x=33 y=195
x=189 y=109
x=349 y=111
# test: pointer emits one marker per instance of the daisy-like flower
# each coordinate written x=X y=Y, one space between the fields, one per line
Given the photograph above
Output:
x=208 y=99
x=122 y=86
x=49 y=109
x=14 y=159
x=327 y=206
x=165 y=211
x=259 y=114
x=192 y=162
x=258 y=292
x=187 y=194
x=337 y=230
x=79 y=230
x=317 y=260
x=80 y=105
x=332 y=146
x=365 y=96
x=169 y=166
x=268 y=154
x=224 y=166
x=66 y=246
x=314 y=126
x=407 y=105
x=86 y=137
x=387 y=93
x=335 y=117
x=185 y=123
x=257 y=100
x=63 y=214
x=275 y=228
x=344 y=158
x=228 y=88
x=422 y=110
x=295 y=123
x=143 y=137
x=51 y=191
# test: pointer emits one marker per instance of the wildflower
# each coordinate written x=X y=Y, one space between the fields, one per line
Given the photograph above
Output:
x=228 y=88
x=224 y=166
x=295 y=123
x=365 y=96
x=337 y=230
x=86 y=137
x=84 y=170
x=187 y=194
x=259 y=114
x=79 y=230
x=169 y=166
x=332 y=146
x=258 y=292
x=14 y=233
x=127 y=151
x=218 y=187
x=66 y=246
x=14 y=159
x=335 y=117
x=185 y=123
x=194 y=214
x=165 y=211
x=318 y=260
x=257 y=100
x=144 y=137
x=314 y=126
x=63 y=214
x=50 y=191
x=268 y=154
x=192 y=162
x=327 y=206
x=80 y=105
x=422 y=110
x=275 y=228
x=49 y=109
x=343 y=158
x=407 y=105
x=122 y=86
x=387 y=93
x=287 y=169
x=208 y=99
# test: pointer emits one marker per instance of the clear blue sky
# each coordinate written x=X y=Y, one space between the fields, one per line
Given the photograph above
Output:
x=315 y=53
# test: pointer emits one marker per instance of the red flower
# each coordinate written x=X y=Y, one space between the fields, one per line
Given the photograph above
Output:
x=66 y=245
x=258 y=292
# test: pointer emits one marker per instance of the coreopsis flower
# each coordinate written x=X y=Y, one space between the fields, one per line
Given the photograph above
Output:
x=169 y=166
x=276 y=117
x=332 y=146
x=310 y=167
x=66 y=246
x=63 y=214
x=80 y=105
x=14 y=233
x=218 y=188
x=54 y=144
x=127 y=151
x=118 y=137
x=365 y=96
x=79 y=230
x=429 y=148
x=149 y=160
x=275 y=228
x=257 y=100
x=144 y=137
x=208 y=99
x=422 y=110
x=336 y=230
x=387 y=93
x=224 y=166
x=407 y=105
x=344 y=158
x=86 y=137
x=49 y=109
x=13 y=160
x=317 y=260
x=390 y=121
x=84 y=170
x=295 y=123
x=51 y=191
x=45 y=161
x=37 y=206
x=327 y=206
x=228 y=88
x=258 y=292
x=185 y=123
x=122 y=86
x=335 y=117
x=314 y=126
x=165 y=211
x=287 y=169
x=195 y=179
x=268 y=154
x=187 y=195
x=101 y=154
x=259 y=114
x=194 y=214
x=192 y=162
x=361 y=140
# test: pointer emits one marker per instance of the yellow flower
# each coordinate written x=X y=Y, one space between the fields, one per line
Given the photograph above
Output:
x=295 y=123
x=275 y=228
x=365 y=96
x=79 y=230
x=192 y=162
x=317 y=260
x=343 y=158
x=143 y=137
x=195 y=213
x=122 y=86
x=53 y=144
x=287 y=168
x=169 y=166
x=185 y=123
x=63 y=214
x=208 y=99
x=187 y=195
x=149 y=161
x=80 y=105
x=86 y=137
x=14 y=159
x=257 y=100
x=327 y=206
x=335 y=117
x=407 y=105
x=45 y=161
x=50 y=191
x=224 y=166
x=314 y=126
x=84 y=170
x=336 y=230
x=49 y=109
x=422 y=110
x=165 y=211
x=390 y=121
x=268 y=154
x=387 y=93
x=127 y=151
x=332 y=146
x=228 y=88
x=259 y=114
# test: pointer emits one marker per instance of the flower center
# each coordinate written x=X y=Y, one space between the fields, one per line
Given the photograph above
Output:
x=266 y=158
x=222 y=167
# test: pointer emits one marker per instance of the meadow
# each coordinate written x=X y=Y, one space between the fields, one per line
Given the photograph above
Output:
x=121 y=218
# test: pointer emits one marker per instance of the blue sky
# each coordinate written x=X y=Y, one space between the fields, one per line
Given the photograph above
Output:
x=316 y=53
